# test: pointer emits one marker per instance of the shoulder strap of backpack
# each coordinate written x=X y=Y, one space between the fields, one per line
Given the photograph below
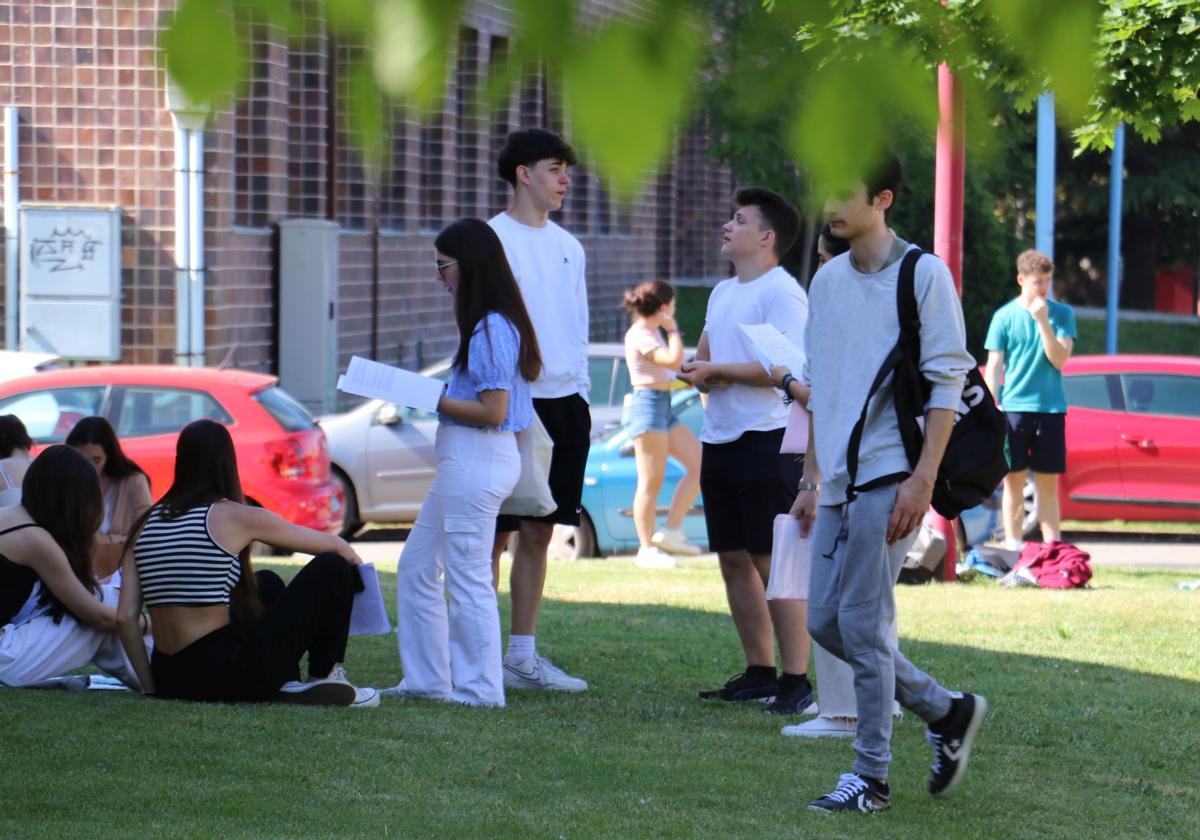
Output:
x=910 y=333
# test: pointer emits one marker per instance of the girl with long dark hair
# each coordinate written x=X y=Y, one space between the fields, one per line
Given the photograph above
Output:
x=123 y=486
x=54 y=617
x=215 y=638
x=453 y=653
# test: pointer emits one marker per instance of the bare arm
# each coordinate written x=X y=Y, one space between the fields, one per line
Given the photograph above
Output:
x=805 y=506
x=916 y=491
x=1057 y=350
x=796 y=389
x=234 y=526
x=48 y=561
x=670 y=356
x=129 y=623
x=994 y=371
x=489 y=410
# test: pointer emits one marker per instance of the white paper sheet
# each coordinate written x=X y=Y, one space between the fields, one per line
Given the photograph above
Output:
x=376 y=380
x=369 y=615
x=773 y=348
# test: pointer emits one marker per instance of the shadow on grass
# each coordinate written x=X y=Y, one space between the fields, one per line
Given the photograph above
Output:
x=1069 y=749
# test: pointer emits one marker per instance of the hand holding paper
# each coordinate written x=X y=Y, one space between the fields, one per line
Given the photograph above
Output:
x=376 y=380
x=773 y=348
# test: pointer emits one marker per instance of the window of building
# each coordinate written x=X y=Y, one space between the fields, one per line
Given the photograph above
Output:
x=393 y=183
x=500 y=190
x=470 y=129
x=350 y=191
x=252 y=153
x=308 y=127
x=433 y=192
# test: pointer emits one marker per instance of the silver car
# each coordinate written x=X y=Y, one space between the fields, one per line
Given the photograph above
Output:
x=382 y=454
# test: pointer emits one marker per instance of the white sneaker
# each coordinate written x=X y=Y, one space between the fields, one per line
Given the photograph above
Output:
x=333 y=690
x=822 y=727
x=401 y=690
x=672 y=540
x=538 y=672
x=649 y=557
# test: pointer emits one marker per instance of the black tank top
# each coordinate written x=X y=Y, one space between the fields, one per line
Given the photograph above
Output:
x=16 y=581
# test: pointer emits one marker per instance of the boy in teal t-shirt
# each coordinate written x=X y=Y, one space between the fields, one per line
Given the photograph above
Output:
x=1028 y=343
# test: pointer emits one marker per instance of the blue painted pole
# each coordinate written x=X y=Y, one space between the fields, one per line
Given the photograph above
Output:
x=1044 y=228
x=1116 y=185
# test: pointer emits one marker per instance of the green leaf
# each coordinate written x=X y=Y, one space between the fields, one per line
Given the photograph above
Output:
x=364 y=118
x=203 y=52
x=411 y=41
x=627 y=90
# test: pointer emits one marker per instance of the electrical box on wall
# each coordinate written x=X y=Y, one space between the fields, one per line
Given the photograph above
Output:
x=308 y=282
x=70 y=274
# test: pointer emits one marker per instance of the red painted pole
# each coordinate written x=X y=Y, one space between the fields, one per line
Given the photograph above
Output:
x=948 y=224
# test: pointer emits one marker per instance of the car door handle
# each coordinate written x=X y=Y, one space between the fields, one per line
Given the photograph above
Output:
x=1138 y=441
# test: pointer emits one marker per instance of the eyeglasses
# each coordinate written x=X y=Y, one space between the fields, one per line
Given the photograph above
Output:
x=442 y=266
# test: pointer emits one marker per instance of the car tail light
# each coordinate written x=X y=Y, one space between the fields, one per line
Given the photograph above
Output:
x=291 y=460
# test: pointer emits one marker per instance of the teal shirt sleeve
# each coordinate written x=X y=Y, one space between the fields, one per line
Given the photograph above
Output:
x=997 y=334
x=1064 y=322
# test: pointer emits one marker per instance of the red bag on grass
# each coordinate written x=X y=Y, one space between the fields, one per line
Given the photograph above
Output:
x=1056 y=565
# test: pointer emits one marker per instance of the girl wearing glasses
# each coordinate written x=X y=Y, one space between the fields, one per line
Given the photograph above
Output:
x=452 y=651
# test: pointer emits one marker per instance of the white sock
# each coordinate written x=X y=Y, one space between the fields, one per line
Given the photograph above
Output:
x=1014 y=545
x=520 y=648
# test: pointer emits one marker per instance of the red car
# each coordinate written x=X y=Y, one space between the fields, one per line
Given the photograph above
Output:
x=1133 y=438
x=281 y=451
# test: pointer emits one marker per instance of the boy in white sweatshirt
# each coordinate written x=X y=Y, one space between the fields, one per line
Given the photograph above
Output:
x=548 y=264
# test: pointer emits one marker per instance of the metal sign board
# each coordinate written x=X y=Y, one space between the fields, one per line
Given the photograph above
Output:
x=71 y=280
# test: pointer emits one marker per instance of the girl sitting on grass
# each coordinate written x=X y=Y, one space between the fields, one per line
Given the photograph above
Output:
x=54 y=617
x=215 y=640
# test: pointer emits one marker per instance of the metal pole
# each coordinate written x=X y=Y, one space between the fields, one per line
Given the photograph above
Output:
x=12 y=196
x=948 y=225
x=182 y=227
x=1044 y=238
x=1116 y=186
x=196 y=266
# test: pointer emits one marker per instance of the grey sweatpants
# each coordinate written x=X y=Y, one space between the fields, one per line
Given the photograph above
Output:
x=851 y=605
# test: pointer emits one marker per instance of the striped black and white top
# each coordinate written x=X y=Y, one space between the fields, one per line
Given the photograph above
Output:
x=179 y=563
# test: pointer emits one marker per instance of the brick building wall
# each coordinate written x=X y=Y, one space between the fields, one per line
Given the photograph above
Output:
x=94 y=129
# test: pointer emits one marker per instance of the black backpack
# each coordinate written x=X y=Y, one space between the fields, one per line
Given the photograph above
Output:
x=975 y=461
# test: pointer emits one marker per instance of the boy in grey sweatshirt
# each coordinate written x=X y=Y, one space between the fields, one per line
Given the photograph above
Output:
x=859 y=545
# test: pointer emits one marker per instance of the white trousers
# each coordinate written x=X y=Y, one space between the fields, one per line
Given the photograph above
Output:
x=453 y=652
x=38 y=649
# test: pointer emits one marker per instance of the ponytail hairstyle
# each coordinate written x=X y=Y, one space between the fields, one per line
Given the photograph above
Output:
x=648 y=297
x=205 y=472
x=486 y=284
x=64 y=499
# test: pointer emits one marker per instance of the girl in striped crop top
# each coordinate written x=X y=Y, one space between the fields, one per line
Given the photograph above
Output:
x=223 y=633
x=54 y=617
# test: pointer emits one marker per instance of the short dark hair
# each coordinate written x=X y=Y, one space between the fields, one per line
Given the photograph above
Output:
x=776 y=212
x=526 y=147
x=834 y=244
x=13 y=435
x=884 y=175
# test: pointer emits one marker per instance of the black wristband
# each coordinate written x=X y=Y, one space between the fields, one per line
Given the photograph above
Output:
x=784 y=386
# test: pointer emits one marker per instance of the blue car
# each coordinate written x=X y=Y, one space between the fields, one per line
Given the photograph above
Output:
x=606 y=523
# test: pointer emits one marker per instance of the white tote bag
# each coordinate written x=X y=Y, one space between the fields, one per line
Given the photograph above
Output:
x=531 y=496
x=789 y=561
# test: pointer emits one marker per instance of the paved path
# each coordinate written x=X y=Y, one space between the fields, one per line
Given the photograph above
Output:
x=1120 y=550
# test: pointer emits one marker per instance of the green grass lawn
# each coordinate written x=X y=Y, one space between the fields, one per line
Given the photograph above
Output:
x=1092 y=732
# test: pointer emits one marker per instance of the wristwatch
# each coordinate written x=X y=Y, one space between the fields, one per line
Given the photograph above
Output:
x=805 y=484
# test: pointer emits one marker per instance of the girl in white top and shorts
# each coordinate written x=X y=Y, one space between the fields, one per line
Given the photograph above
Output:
x=655 y=430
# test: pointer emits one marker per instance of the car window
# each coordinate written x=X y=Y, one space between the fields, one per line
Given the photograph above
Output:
x=164 y=411
x=51 y=414
x=286 y=409
x=691 y=413
x=1161 y=393
x=621 y=385
x=1088 y=392
x=600 y=370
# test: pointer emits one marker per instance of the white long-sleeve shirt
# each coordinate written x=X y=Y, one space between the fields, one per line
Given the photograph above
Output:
x=549 y=265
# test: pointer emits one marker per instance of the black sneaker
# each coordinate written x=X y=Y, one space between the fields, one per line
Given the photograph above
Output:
x=758 y=684
x=792 y=696
x=855 y=793
x=952 y=741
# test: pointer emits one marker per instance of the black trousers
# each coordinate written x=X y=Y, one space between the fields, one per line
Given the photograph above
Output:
x=238 y=664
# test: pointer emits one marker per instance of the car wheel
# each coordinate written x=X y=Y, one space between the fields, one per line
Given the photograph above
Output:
x=574 y=542
x=350 y=524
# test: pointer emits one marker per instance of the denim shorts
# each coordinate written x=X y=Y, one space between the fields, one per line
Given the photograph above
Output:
x=649 y=411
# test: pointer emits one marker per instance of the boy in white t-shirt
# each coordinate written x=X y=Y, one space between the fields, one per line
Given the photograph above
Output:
x=744 y=479
x=548 y=264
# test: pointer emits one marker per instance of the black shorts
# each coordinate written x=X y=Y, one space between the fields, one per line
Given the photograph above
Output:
x=568 y=421
x=1037 y=441
x=745 y=484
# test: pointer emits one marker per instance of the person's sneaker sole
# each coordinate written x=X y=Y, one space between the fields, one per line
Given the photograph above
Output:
x=318 y=694
x=964 y=751
x=365 y=698
x=818 y=728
